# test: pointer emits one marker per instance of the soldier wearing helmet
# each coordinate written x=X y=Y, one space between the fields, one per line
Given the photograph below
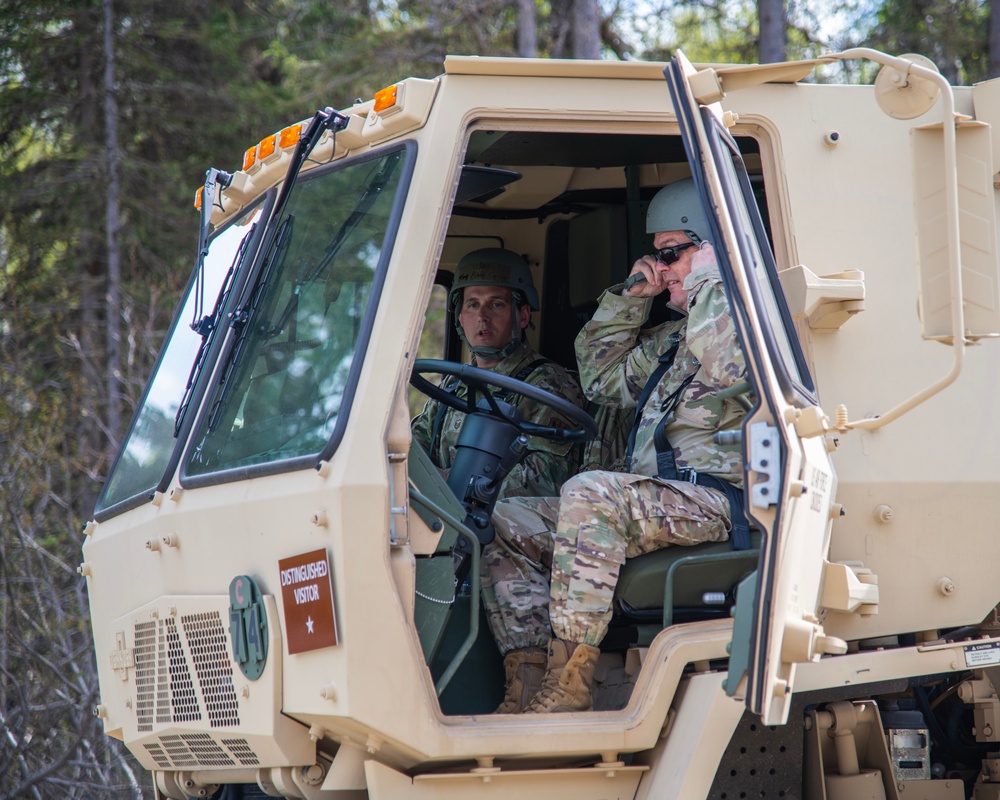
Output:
x=492 y=298
x=482 y=278
x=677 y=486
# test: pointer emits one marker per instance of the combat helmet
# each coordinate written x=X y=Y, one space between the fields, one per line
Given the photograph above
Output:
x=494 y=266
x=677 y=207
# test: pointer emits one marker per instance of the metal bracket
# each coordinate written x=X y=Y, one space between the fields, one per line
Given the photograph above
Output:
x=765 y=461
x=399 y=533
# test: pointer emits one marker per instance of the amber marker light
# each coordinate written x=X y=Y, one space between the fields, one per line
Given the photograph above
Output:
x=197 y=197
x=385 y=98
x=249 y=157
x=266 y=147
x=289 y=137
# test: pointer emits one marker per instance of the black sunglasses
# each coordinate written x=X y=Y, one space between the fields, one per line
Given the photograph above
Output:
x=668 y=255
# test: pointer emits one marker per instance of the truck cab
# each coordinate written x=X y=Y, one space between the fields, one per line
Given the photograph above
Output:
x=271 y=564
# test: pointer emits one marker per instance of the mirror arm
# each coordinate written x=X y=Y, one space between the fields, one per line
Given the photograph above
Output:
x=958 y=340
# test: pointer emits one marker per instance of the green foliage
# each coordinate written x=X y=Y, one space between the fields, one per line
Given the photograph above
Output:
x=334 y=53
x=727 y=31
x=954 y=34
x=337 y=52
x=195 y=86
x=196 y=83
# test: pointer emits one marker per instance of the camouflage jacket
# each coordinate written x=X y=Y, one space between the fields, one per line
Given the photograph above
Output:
x=616 y=358
x=548 y=463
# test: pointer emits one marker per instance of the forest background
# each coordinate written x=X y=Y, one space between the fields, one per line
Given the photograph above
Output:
x=110 y=113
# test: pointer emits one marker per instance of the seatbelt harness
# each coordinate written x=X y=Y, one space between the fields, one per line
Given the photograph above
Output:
x=666 y=463
x=666 y=467
x=439 y=419
x=524 y=372
x=666 y=362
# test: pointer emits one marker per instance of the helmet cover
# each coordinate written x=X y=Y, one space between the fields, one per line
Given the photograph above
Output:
x=677 y=207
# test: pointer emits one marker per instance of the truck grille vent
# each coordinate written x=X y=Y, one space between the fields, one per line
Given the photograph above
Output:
x=165 y=690
x=161 y=758
x=200 y=750
x=182 y=697
x=145 y=673
x=178 y=752
x=242 y=751
x=207 y=639
x=204 y=748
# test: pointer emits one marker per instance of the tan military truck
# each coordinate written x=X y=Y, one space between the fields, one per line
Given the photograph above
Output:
x=271 y=565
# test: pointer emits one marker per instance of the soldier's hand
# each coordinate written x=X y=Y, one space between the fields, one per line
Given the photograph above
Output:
x=653 y=283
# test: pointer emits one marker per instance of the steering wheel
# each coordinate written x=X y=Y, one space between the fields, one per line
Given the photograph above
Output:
x=478 y=380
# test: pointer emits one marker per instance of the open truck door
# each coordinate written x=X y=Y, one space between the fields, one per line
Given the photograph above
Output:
x=790 y=482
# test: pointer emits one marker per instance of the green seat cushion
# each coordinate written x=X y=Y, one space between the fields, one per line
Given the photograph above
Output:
x=708 y=567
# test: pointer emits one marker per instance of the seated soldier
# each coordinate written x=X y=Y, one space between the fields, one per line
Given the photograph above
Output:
x=550 y=575
x=492 y=298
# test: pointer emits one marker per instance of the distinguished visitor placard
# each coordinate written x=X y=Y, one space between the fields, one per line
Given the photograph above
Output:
x=307 y=595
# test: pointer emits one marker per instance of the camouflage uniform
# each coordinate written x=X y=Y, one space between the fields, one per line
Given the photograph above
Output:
x=548 y=463
x=554 y=565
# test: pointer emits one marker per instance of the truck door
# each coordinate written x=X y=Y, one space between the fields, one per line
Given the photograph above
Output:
x=790 y=482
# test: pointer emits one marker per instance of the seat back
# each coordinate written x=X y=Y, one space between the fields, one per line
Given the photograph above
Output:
x=435 y=575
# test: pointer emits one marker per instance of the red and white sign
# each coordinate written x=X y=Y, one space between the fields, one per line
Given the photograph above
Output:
x=307 y=596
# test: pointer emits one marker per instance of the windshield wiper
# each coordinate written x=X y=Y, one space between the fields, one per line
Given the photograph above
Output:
x=324 y=120
x=204 y=325
x=207 y=326
x=243 y=315
x=213 y=178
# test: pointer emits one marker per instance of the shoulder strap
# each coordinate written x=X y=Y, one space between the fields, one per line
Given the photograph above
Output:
x=666 y=467
x=521 y=375
x=524 y=372
x=439 y=416
x=666 y=362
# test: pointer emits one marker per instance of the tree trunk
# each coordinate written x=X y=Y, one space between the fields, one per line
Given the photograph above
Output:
x=113 y=313
x=771 y=18
x=527 y=30
x=90 y=280
x=586 y=29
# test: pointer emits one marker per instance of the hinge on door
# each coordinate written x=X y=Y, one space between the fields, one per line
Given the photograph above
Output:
x=399 y=533
x=765 y=460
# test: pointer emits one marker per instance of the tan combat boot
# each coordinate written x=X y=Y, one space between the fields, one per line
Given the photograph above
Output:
x=568 y=677
x=524 y=670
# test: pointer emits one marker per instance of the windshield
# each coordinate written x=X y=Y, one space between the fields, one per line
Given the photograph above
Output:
x=145 y=455
x=304 y=324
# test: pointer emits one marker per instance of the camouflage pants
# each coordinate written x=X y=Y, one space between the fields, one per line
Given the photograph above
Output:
x=553 y=567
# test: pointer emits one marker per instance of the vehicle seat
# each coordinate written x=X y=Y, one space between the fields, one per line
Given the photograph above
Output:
x=679 y=584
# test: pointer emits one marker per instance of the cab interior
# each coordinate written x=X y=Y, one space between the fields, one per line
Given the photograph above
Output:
x=573 y=203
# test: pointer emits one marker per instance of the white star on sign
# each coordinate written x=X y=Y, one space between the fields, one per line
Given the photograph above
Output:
x=309 y=624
